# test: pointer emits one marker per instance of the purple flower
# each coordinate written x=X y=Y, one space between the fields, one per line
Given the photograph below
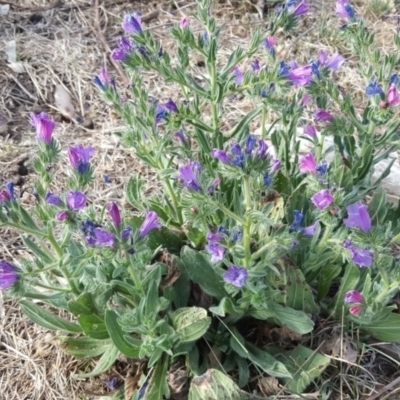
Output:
x=310 y=130
x=188 y=177
x=61 y=215
x=52 y=199
x=249 y=144
x=150 y=222
x=267 y=179
x=217 y=252
x=361 y=257
x=301 y=9
x=8 y=274
x=161 y=113
x=171 y=106
x=310 y=230
x=353 y=296
x=76 y=200
x=308 y=164
x=276 y=164
x=183 y=23
x=322 y=168
x=181 y=136
x=103 y=238
x=238 y=75
x=393 y=97
x=373 y=89
x=335 y=61
x=7 y=194
x=132 y=23
x=113 y=210
x=322 y=199
x=103 y=80
x=213 y=237
x=124 y=44
x=117 y=55
x=298 y=218
x=221 y=229
x=322 y=115
x=255 y=65
x=344 y=9
x=262 y=148
x=221 y=155
x=90 y=241
x=79 y=157
x=236 y=276
x=305 y=99
x=4 y=195
x=358 y=217
x=44 y=126
x=322 y=57
x=126 y=232
x=301 y=76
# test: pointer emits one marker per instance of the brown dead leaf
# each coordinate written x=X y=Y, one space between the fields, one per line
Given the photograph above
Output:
x=269 y=386
x=340 y=347
x=173 y=270
x=178 y=381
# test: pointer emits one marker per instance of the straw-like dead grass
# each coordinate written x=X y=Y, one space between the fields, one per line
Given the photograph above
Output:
x=60 y=43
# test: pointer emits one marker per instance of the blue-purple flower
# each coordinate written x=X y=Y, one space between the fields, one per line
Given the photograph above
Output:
x=358 y=217
x=267 y=179
x=181 y=136
x=255 y=65
x=308 y=164
x=276 y=164
x=221 y=155
x=298 y=218
x=171 y=105
x=126 y=232
x=301 y=8
x=300 y=76
x=238 y=75
x=79 y=157
x=150 y=222
x=217 y=252
x=52 y=199
x=132 y=23
x=44 y=126
x=322 y=199
x=236 y=276
x=76 y=200
x=310 y=230
x=61 y=215
x=188 y=177
x=7 y=194
x=344 y=9
x=373 y=89
x=262 y=149
x=8 y=274
x=361 y=257
x=322 y=115
x=103 y=237
x=113 y=210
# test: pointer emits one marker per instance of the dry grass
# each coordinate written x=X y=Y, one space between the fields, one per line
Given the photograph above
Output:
x=59 y=44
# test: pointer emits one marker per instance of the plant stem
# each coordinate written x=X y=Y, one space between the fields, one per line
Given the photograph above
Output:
x=56 y=289
x=247 y=226
x=230 y=213
x=174 y=200
x=263 y=118
x=325 y=237
x=53 y=241
x=134 y=275
x=24 y=229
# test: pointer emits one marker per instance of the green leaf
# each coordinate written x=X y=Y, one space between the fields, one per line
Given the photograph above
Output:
x=387 y=330
x=296 y=320
x=93 y=326
x=326 y=277
x=202 y=272
x=348 y=282
x=83 y=305
x=118 y=336
x=134 y=192
x=83 y=347
x=37 y=250
x=214 y=385
x=158 y=386
x=105 y=362
x=244 y=122
x=46 y=319
x=305 y=365
x=190 y=323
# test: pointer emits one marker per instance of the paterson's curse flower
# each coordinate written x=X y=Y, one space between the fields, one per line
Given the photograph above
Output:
x=298 y=218
x=322 y=115
x=358 y=217
x=322 y=199
x=7 y=194
x=76 y=200
x=113 y=210
x=393 y=97
x=221 y=155
x=344 y=9
x=44 y=126
x=150 y=222
x=217 y=252
x=8 y=274
x=308 y=164
x=361 y=257
x=236 y=276
x=188 y=177
x=79 y=157
x=132 y=23
x=52 y=199
x=353 y=296
x=301 y=76
x=103 y=237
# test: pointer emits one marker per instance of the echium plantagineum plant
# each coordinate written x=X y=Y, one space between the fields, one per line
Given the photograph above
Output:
x=248 y=232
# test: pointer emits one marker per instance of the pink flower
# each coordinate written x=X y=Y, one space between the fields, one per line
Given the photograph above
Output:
x=308 y=164
x=393 y=95
x=322 y=199
x=310 y=130
x=353 y=296
x=355 y=310
x=184 y=23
